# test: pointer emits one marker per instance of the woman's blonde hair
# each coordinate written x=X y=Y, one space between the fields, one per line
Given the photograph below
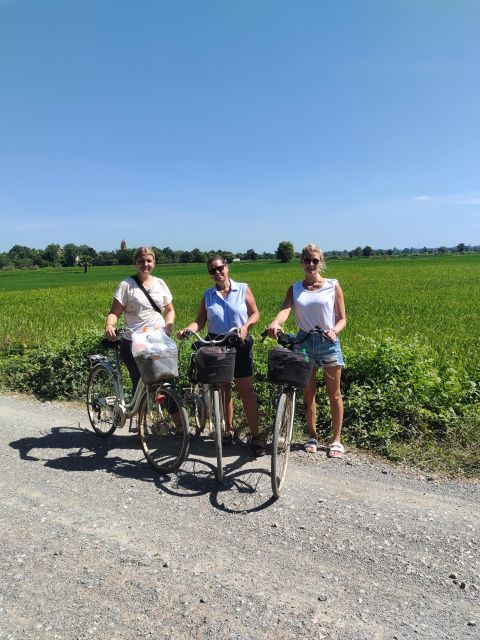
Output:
x=141 y=250
x=313 y=248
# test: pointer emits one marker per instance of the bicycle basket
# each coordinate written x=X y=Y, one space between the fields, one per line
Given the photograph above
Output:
x=287 y=367
x=215 y=365
x=159 y=367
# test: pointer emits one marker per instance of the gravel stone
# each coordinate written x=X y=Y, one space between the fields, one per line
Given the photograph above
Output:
x=75 y=563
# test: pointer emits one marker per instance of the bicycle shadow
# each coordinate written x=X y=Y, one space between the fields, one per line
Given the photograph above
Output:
x=85 y=452
x=243 y=490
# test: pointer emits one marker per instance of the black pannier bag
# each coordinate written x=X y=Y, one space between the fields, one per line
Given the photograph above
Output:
x=288 y=367
x=215 y=365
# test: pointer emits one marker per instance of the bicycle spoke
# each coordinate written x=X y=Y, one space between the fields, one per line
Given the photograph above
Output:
x=282 y=436
x=101 y=401
x=163 y=430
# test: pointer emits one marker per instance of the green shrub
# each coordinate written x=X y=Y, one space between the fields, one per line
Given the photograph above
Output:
x=51 y=371
x=393 y=391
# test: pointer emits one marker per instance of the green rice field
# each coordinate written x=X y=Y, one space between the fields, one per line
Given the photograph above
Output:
x=435 y=299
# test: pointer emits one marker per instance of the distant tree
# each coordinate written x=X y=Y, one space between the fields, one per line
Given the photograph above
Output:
x=228 y=255
x=184 y=257
x=52 y=254
x=460 y=247
x=356 y=253
x=284 y=251
x=442 y=250
x=85 y=250
x=197 y=256
x=70 y=253
x=124 y=256
x=18 y=252
x=367 y=251
x=105 y=258
x=169 y=254
x=84 y=261
x=250 y=254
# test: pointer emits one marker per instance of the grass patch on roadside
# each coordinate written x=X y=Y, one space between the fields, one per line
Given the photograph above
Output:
x=458 y=455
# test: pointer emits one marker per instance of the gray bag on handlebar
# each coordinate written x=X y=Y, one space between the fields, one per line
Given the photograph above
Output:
x=287 y=367
x=215 y=365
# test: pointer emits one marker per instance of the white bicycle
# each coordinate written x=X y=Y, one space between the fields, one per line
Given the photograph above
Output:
x=162 y=419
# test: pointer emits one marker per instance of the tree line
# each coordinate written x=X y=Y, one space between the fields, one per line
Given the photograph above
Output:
x=70 y=255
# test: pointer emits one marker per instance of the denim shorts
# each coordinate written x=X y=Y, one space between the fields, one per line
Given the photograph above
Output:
x=324 y=352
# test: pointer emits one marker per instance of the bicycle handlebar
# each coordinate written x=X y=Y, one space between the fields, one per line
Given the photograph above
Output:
x=230 y=337
x=289 y=340
x=113 y=344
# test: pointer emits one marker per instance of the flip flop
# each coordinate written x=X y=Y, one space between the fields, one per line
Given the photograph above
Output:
x=336 y=450
x=311 y=445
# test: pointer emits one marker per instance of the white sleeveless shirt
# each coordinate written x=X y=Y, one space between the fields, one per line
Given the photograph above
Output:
x=315 y=308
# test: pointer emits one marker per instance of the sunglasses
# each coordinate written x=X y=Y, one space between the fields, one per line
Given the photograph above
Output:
x=314 y=261
x=213 y=270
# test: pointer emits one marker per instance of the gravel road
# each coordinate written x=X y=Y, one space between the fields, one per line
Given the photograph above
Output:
x=95 y=545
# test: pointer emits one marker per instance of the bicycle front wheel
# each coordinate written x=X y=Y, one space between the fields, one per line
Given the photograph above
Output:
x=282 y=437
x=101 y=401
x=163 y=429
x=219 y=421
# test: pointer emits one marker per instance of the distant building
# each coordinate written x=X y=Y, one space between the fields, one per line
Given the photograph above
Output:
x=123 y=245
x=236 y=260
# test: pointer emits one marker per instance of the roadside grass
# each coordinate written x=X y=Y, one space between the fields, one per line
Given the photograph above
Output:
x=458 y=455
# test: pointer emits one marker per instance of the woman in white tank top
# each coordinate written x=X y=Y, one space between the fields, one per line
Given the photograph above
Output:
x=318 y=304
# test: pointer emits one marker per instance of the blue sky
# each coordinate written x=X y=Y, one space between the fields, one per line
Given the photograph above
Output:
x=238 y=124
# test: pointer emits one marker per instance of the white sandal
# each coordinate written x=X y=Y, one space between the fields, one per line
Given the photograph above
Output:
x=336 y=450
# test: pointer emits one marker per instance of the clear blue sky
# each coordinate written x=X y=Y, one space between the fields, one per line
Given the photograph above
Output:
x=239 y=123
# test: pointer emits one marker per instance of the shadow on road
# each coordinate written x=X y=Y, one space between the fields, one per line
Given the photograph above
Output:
x=84 y=451
x=244 y=489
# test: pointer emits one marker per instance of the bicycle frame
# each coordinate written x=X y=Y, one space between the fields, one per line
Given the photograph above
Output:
x=123 y=411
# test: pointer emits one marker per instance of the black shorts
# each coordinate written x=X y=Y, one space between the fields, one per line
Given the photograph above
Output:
x=243 y=357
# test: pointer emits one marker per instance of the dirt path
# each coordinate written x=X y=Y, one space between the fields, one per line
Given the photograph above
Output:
x=95 y=545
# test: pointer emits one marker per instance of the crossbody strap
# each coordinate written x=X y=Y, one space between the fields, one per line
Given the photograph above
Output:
x=150 y=299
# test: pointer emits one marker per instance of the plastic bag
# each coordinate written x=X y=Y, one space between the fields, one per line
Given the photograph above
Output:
x=155 y=353
x=151 y=341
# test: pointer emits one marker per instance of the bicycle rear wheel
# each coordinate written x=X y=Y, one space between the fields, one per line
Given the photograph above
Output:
x=218 y=433
x=101 y=401
x=163 y=429
x=282 y=437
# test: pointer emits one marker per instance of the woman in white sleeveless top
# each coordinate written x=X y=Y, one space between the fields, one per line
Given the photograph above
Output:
x=318 y=303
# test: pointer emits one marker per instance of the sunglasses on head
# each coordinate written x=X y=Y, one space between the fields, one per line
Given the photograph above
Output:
x=311 y=260
x=213 y=270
